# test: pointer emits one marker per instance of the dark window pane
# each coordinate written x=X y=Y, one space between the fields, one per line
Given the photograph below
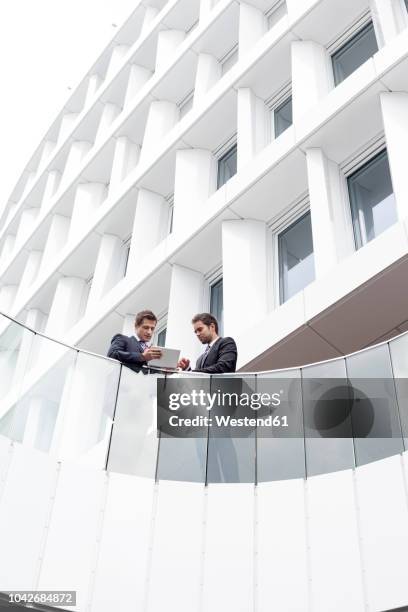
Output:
x=372 y=199
x=126 y=254
x=217 y=305
x=354 y=53
x=283 y=117
x=171 y=218
x=296 y=260
x=227 y=166
x=161 y=337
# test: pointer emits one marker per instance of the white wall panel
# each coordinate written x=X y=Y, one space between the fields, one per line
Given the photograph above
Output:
x=69 y=555
x=24 y=509
x=121 y=573
x=177 y=548
x=384 y=529
x=5 y=450
x=336 y=582
x=229 y=549
x=282 y=581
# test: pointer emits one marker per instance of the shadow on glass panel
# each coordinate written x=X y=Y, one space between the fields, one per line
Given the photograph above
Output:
x=183 y=450
x=231 y=458
x=44 y=396
x=399 y=359
x=133 y=445
x=376 y=420
x=327 y=406
x=280 y=450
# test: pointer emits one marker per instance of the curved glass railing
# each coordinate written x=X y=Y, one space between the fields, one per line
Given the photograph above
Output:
x=82 y=407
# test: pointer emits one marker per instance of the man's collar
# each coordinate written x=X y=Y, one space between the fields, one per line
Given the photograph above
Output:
x=211 y=344
x=139 y=340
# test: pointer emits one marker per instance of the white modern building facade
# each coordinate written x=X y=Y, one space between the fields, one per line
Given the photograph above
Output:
x=248 y=159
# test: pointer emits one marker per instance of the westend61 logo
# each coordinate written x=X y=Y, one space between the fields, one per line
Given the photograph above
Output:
x=190 y=407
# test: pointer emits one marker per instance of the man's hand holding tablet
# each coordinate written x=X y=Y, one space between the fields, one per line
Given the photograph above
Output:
x=152 y=352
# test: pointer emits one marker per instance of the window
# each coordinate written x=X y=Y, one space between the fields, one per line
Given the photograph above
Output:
x=276 y=13
x=227 y=166
x=186 y=104
x=161 y=337
x=170 y=200
x=406 y=4
x=229 y=60
x=282 y=117
x=192 y=27
x=372 y=200
x=217 y=304
x=126 y=251
x=296 y=260
x=354 y=53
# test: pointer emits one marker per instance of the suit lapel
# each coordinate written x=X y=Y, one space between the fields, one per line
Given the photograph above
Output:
x=136 y=344
x=204 y=357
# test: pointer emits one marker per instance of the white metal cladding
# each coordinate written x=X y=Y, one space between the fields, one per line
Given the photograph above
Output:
x=335 y=566
x=335 y=541
x=383 y=510
x=281 y=565
x=121 y=571
x=25 y=508
x=73 y=531
x=176 y=561
x=229 y=548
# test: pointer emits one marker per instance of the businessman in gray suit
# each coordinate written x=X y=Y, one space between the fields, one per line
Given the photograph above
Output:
x=136 y=351
x=220 y=355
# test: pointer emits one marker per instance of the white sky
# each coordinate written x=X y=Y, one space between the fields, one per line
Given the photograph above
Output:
x=45 y=46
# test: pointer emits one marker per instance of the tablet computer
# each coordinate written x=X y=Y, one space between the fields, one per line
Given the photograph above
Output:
x=169 y=358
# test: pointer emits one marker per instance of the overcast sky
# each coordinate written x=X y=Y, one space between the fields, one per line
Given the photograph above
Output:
x=46 y=46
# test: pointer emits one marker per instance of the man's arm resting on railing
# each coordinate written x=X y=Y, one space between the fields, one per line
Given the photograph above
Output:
x=117 y=350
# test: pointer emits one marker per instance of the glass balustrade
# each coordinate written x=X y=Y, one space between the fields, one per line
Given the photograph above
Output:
x=87 y=408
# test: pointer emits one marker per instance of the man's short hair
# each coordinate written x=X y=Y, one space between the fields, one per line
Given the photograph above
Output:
x=144 y=314
x=207 y=319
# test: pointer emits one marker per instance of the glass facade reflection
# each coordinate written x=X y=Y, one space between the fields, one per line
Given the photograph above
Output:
x=83 y=407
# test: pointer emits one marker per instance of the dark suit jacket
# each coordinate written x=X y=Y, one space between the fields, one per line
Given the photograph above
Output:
x=127 y=350
x=221 y=358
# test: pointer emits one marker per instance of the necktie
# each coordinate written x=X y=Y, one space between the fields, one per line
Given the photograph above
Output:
x=143 y=346
x=205 y=354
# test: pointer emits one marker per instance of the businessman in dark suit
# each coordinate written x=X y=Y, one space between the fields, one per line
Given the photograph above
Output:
x=220 y=355
x=136 y=351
